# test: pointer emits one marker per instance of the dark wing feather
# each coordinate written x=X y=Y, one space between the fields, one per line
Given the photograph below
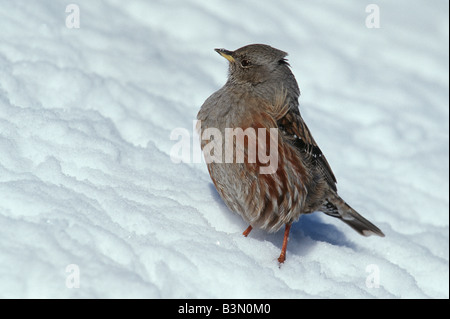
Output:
x=293 y=125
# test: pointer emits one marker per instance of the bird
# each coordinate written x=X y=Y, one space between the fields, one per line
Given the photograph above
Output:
x=261 y=96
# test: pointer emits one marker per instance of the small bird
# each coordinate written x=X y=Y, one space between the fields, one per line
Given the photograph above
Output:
x=261 y=96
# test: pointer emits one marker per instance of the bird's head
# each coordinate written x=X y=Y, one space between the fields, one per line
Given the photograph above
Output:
x=255 y=63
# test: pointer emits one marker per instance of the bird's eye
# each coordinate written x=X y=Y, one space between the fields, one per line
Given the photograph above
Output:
x=245 y=63
x=283 y=61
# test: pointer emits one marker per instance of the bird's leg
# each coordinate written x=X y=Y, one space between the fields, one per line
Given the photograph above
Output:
x=247 y=231
x=282 y=257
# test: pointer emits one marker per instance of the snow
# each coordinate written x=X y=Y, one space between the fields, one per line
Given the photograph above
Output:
x=93 y=206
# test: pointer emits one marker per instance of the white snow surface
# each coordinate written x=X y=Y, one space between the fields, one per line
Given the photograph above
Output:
x=93 y=206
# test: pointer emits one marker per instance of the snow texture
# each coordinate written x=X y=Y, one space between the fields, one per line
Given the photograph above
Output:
x=93 y=206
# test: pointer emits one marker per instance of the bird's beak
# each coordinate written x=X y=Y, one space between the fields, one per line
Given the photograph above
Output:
x=226 y=54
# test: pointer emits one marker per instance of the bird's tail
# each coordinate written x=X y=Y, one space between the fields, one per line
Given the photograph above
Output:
x=337 y=207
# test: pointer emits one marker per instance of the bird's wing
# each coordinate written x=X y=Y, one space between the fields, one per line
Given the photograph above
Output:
x=295 y=128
